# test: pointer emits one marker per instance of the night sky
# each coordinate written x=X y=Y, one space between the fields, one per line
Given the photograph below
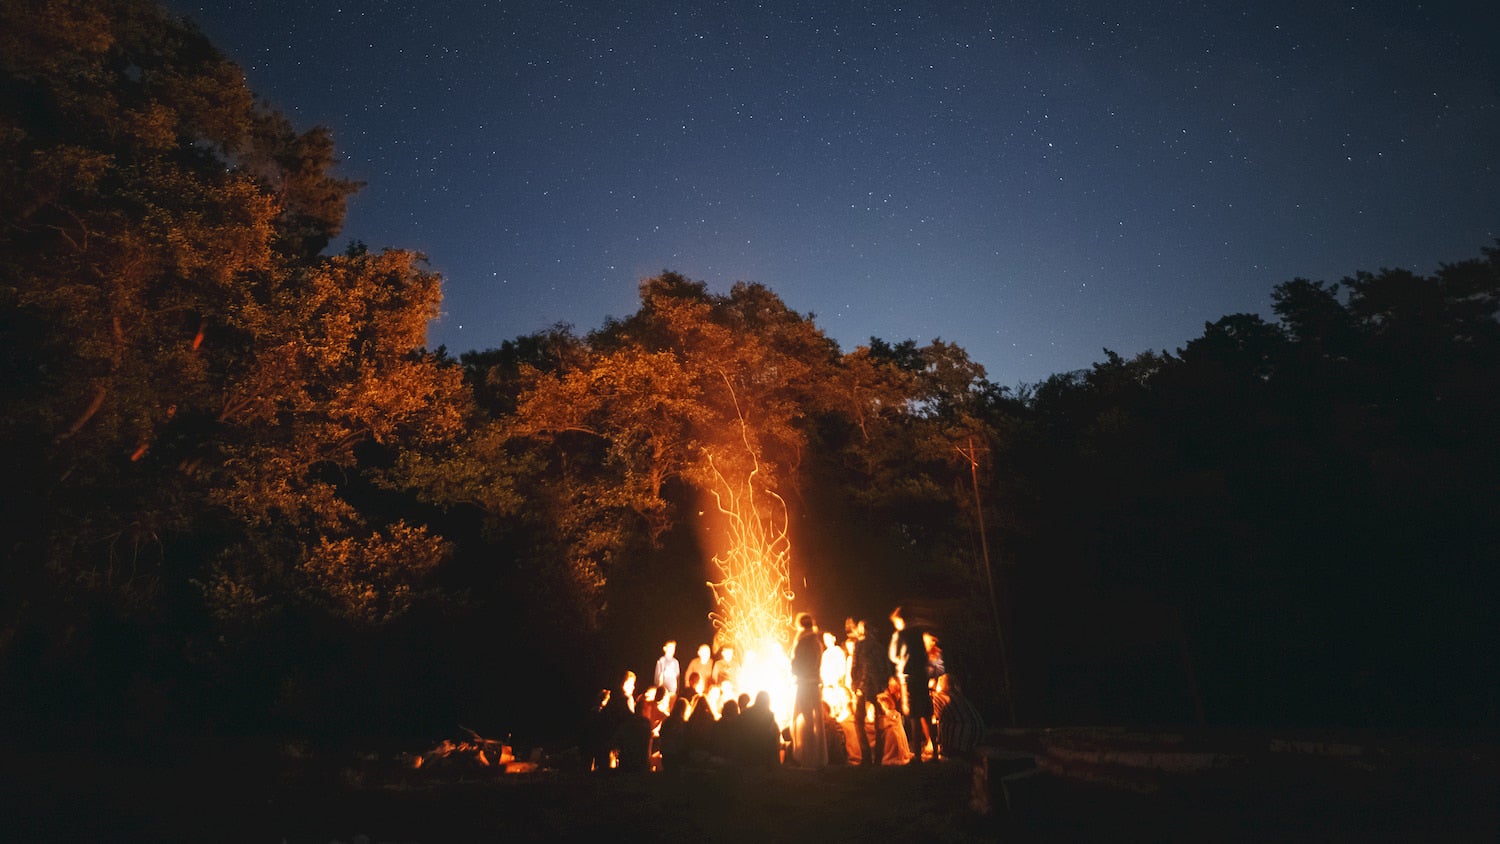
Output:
x=1033 y=181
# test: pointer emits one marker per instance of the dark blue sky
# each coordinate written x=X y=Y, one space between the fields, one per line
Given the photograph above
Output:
x=1034 y=182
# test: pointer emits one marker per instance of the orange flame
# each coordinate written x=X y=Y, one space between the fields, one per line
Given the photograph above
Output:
x=753 y=595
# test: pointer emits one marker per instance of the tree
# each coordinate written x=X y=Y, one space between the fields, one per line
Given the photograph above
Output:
x=329 y=367
x=690 y=385
x=196 y=398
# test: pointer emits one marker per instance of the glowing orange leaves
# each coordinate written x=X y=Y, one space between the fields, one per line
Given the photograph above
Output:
x=373 y=578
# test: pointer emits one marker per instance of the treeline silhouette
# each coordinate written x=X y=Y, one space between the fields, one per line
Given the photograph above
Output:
x=245 y=500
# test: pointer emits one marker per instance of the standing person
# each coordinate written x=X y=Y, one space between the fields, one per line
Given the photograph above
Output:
x=703 y=666
x=833 y=671
x=667 y=672
x=869 y=672
x=936 y=668
x=726 y=670
x=909 y=655
x=598 y=733
x=935 y=665
x=809 y=745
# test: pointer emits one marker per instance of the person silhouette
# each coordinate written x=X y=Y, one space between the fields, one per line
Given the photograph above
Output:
x=809 y=745
x=909 y=655
x=667 y=671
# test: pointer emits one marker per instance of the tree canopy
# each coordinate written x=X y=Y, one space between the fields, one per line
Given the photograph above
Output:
x=194 y=393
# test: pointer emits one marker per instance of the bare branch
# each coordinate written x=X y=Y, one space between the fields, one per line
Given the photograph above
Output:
x=100 y=391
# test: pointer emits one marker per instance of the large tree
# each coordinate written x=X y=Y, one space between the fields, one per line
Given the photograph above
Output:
x=688 y=391
x=628 y=441
x=192 y=393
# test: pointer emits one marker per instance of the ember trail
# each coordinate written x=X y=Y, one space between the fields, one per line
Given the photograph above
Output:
x=753 y=595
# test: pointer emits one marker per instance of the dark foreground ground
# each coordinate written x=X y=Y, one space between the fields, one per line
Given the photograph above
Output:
x=1083 y=786
x=376 y=803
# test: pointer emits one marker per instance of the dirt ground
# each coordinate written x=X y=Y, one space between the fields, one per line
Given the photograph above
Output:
x=254 y=794
x=376 y=802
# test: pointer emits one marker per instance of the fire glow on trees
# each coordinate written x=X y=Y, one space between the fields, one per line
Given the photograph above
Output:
x=710 y=392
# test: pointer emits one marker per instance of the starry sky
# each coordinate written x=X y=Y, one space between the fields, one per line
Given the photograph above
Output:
x=1033 y=181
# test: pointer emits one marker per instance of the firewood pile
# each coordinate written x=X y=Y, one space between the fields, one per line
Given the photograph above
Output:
x=476 y=754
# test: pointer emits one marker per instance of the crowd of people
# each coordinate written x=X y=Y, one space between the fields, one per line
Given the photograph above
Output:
x=856 y=701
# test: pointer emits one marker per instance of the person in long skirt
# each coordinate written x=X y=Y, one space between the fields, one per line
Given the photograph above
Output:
x=809 y=744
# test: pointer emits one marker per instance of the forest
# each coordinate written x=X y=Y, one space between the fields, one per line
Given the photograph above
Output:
x=245 y=498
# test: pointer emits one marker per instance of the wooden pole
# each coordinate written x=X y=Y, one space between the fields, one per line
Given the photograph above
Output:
x=989 y=576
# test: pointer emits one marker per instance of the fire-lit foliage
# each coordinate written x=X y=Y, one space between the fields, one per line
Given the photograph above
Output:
x=648 y=405
x=374 y=578
x=195 y=395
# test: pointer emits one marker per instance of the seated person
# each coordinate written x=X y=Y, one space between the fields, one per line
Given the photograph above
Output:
x=833 y=734
x=892 y=725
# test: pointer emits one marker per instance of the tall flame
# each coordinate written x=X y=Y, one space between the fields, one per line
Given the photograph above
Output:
x=753 y=596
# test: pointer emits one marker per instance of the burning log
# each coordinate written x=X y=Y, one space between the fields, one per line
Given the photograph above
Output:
x=476 y=752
